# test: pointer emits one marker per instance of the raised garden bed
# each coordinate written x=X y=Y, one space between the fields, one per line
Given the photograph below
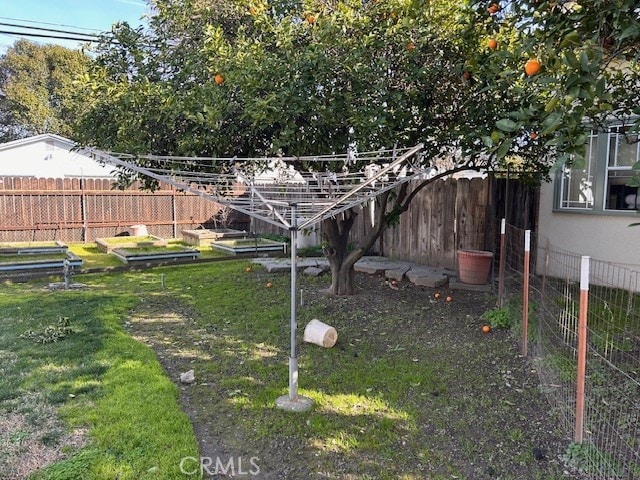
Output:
x=155 y=254
x=203 y=237
x=37 y=261
x=107 y=245
x=28 y=248
x=249 y=245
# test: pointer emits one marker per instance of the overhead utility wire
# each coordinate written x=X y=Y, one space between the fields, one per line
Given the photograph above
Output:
x=76 y=36
x=28 y=27
x=42 y=35
x=12 y=19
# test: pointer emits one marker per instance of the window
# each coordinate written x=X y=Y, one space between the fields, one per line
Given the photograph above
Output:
x=622 y=153
x=576 y=189
x=601 y=183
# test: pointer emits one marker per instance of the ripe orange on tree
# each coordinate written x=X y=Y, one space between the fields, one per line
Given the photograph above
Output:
x=411 y=46
x=493 y=8
x=492 y=43
x=219 y=79
x=486 y=329
x=532 y=67
x=310 y=19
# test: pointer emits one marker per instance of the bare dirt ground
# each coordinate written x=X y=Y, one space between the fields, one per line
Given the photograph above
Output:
x=487 y=420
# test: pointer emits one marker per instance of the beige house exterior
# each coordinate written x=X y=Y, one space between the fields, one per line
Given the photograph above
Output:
x=588 y=209
x=603 y=236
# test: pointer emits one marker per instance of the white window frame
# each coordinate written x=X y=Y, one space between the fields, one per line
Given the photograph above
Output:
x=593 y=195
x=587 y=172
x=615 y=137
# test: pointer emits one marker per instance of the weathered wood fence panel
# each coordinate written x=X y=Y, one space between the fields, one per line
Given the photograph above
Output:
x=444 y=216
x=83 y=210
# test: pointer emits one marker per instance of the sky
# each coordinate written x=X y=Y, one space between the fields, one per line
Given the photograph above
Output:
x=88 y=16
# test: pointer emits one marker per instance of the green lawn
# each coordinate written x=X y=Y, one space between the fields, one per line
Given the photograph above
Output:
x=72 y=379
x=411 y=390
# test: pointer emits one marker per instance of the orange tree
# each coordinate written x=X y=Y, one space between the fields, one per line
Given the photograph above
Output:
x=315 y=77
x=578 y=59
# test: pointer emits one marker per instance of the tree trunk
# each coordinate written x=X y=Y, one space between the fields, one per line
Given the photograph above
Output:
x=341 y=261
x=389 y=206
x=336 y=231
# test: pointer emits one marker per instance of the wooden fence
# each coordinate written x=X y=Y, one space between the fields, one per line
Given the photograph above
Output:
x=445 y=216
x=77 y=210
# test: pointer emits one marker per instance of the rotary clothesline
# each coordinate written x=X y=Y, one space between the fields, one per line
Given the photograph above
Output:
x=291 y=199
x=273 y=188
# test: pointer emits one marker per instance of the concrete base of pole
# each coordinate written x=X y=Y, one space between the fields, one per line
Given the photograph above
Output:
x=299 y=404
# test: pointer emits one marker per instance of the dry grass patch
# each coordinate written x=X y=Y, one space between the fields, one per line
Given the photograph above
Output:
x=33 y=439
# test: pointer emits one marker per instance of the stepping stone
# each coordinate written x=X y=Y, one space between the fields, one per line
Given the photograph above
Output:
x=276 y=267
x=427 y=277
x=313 y=271
x=372 y=265
x=432 y=281
x=396 y=273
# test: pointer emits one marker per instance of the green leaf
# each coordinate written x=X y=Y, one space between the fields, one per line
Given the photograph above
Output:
x=570 y=59
x=504 y=148
x=488 y=142
x=551 y=123
x=507 y=125
x=631 y=31
x=584 y=61
x=572 y=38
x=551 y=104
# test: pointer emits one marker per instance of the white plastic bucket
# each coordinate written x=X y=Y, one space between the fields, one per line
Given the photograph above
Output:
x=320 y=333
x=138 y=231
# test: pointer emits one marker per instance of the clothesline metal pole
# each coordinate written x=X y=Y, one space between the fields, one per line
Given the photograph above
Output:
x=293 y=401
x=293 y=360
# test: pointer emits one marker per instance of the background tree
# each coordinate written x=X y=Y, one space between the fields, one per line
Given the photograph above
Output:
x=317 y=77
x=40 y=95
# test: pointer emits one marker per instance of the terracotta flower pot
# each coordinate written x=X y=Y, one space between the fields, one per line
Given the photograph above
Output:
x=474 y=266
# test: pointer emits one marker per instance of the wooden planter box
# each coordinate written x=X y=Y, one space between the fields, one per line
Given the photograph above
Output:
x=203 y=237
x=249 y=245
x=26 y=248
x=169 y=255
x=107 y=245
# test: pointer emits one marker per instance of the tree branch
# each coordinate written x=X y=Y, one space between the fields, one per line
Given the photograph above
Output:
x=404 y=206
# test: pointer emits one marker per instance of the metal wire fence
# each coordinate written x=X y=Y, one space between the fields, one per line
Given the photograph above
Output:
x=603 y=417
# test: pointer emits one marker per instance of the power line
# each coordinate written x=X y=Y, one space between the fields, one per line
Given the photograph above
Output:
x=26 y=27
x=47 y=23
x=42 y=35
x=34 y=32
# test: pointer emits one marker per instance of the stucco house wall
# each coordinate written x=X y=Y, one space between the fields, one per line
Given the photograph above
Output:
x=48 y=156
x=602 y=236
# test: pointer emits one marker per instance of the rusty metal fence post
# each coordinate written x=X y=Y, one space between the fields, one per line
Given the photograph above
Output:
x=582 y=348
